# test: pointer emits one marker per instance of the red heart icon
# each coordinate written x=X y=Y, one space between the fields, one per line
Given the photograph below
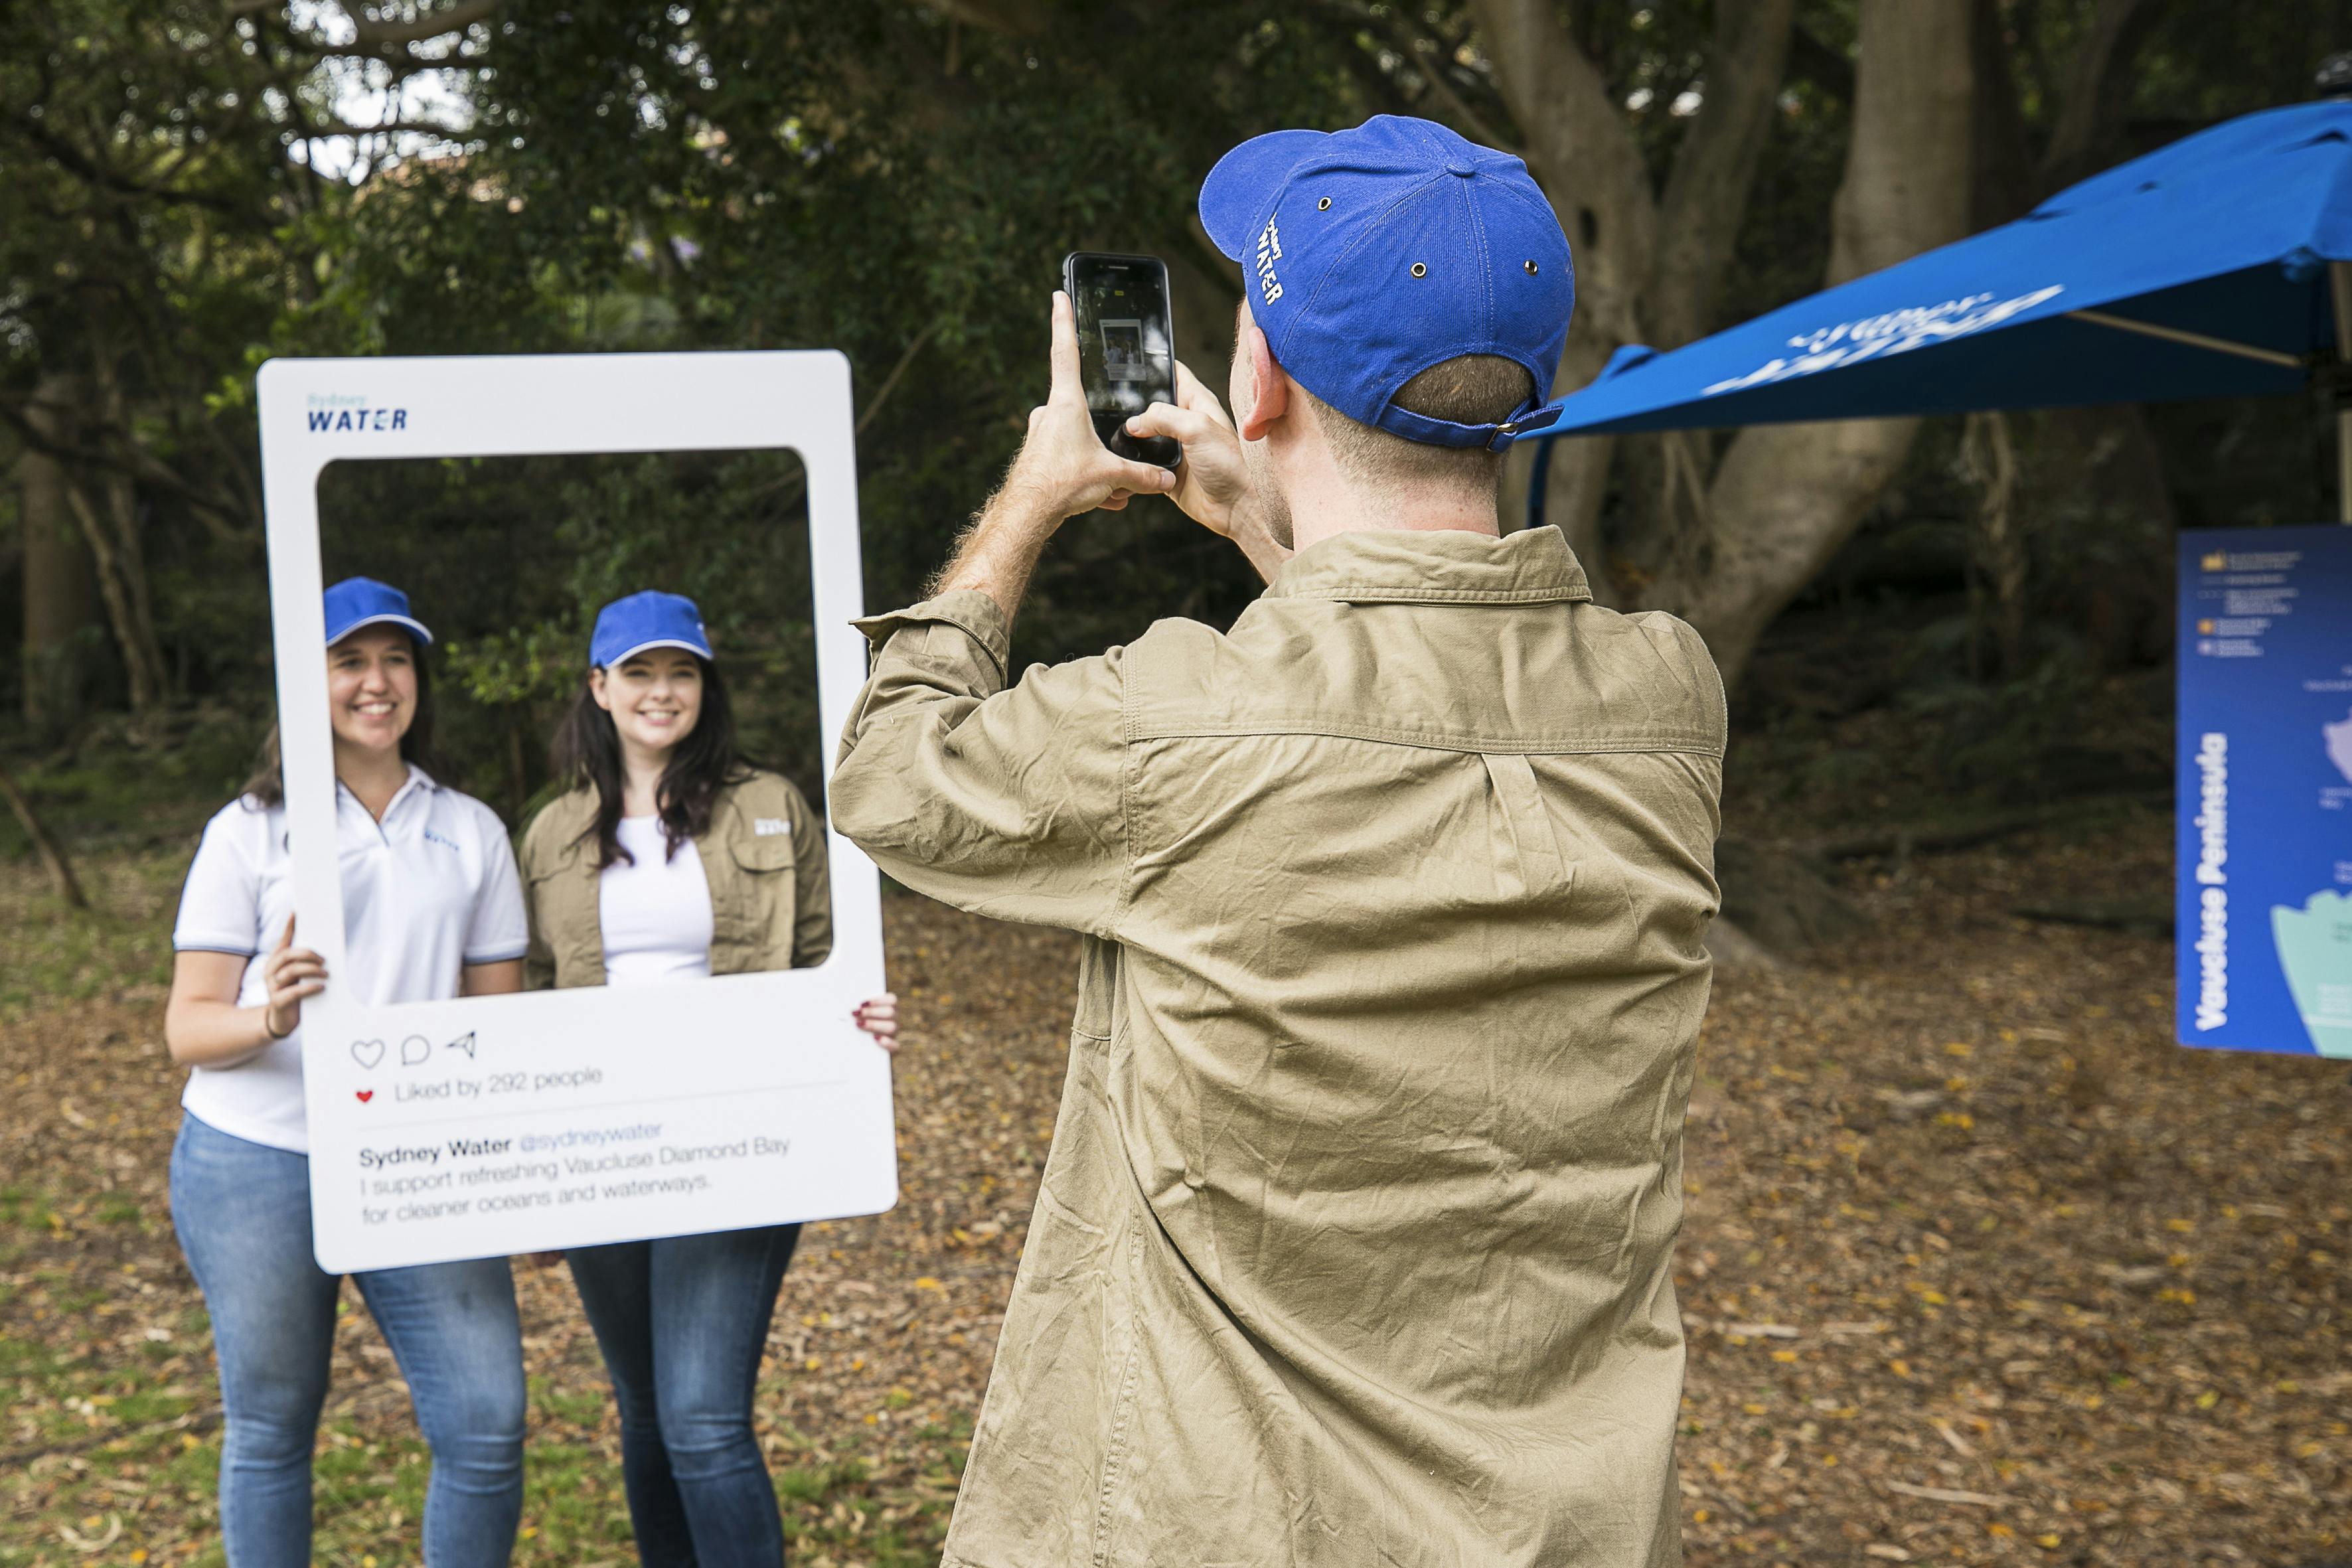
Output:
x=365 y=1095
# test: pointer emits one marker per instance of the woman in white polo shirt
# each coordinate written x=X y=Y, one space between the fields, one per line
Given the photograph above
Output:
x=433 y=908
x=672 y=857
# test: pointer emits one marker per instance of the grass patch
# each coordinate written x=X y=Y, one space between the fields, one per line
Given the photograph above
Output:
x=60 y=955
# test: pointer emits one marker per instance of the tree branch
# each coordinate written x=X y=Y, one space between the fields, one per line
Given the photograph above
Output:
x=314 y=129
x=1427 y=56
x=74 y=161
x=1580 y=148
x=890 y=381
x=1017 y=18
x=2089 y=105
x=1707 y=192
x=378 y=37
x=129 y=456
x=45 y=843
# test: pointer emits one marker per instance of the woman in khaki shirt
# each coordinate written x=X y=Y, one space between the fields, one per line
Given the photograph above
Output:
x=672 y=857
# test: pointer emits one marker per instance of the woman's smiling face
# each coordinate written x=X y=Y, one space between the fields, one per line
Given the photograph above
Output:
x=372 y=687
x=654 y=697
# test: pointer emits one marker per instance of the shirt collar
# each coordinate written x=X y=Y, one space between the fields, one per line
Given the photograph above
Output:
x=419 y=782
x=1534 y=566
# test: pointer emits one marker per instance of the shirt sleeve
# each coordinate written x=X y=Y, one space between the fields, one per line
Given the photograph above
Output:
x=1008 y=803
x=499 y=932
x=539 y=954
x=220 y=904
x=811 y=888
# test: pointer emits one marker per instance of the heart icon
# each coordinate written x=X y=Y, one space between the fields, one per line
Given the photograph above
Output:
x=367 y=1052
x=365 y=1095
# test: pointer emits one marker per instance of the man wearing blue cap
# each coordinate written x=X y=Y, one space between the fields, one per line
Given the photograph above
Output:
x=1354 y=1244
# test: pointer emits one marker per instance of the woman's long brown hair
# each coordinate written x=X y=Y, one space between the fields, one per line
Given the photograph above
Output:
x=587 y=752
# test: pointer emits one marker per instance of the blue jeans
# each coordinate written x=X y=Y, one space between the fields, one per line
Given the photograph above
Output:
x=243 y=1211
x=682 y=1321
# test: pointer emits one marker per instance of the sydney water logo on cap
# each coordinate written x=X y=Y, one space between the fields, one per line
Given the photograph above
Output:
x=338 y=413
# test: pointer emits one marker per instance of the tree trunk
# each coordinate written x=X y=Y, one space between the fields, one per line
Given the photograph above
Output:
x=1787 y=495
x=45 y=843
x=111 y=529
x=61 y=619
x=1648 y=267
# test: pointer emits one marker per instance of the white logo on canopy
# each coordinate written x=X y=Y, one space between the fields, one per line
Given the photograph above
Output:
x=1894 y=332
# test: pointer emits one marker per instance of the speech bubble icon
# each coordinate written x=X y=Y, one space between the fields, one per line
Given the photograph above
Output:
x=415 y=1050
x=367 y=1052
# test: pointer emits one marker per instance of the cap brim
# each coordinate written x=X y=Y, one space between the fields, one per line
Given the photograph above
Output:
x=626 y=654
x=415 y=627
x=1239 y=190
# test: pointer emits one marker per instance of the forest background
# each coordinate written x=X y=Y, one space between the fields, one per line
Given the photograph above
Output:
x=187 y=188
x=1977 y=1265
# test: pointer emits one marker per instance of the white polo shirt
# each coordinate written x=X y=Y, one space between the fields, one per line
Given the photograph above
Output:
x=430 y=889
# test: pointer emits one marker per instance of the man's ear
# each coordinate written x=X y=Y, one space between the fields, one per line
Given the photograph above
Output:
x=1269 y=387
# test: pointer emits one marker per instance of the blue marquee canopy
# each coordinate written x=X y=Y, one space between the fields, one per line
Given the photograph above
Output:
x=2199 y=270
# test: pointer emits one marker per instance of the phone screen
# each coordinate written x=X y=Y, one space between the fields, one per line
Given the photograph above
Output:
x=1126 y=351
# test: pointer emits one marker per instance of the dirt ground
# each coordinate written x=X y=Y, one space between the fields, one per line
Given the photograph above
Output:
x=1977 y=1267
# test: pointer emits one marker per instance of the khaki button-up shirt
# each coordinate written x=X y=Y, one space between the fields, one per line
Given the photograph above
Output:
x=1353 y=1247
x=763 y=859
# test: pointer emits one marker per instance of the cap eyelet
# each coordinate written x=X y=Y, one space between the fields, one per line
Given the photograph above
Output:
x=1531 y=268
x=1419 y=271
x=1323 y=205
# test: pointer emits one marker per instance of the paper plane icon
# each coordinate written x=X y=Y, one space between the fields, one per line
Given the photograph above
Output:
x=462 y=1043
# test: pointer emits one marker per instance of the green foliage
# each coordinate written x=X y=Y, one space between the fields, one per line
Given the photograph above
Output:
x=895 y=180
x=508 y=559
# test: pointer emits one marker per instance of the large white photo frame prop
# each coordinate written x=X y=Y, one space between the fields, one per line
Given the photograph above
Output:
x=491 y=1125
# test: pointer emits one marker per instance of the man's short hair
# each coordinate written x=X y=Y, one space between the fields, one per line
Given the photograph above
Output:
x=1472 y=389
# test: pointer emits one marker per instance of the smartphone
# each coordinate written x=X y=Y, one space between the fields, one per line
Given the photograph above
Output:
x=1126 y=346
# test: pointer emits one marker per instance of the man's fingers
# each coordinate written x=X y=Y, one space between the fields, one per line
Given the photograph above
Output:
x=1067 y=388
x=1189 y=425
x=286 y=939
x=1143 y=479
x=1193 y=394
x=1114 y=501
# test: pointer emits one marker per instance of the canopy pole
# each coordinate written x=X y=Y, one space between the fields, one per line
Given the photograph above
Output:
x=2339 y=285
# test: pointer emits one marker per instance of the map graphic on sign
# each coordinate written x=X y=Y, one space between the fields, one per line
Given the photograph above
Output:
x=2265 y=829
x=2339 y=746
x=2315 y=948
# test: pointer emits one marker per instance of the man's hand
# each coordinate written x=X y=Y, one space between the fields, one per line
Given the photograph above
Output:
x=1063 y=469
x=1213 y=486
x=1212 y=481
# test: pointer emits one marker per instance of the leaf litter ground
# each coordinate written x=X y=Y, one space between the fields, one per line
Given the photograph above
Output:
x=1977 y=1267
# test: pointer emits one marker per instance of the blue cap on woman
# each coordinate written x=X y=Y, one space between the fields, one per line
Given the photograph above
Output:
x=357 y=602
x=648 y=620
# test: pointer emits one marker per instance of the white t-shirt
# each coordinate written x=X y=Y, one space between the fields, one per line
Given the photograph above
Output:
x=430 y=889
x=655 y=911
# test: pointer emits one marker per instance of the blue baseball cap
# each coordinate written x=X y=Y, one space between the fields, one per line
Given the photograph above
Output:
x=641 y=621
x=357 y=602
x=1371 y=254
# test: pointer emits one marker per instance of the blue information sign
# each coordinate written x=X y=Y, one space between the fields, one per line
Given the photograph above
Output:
x=2264 y=892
